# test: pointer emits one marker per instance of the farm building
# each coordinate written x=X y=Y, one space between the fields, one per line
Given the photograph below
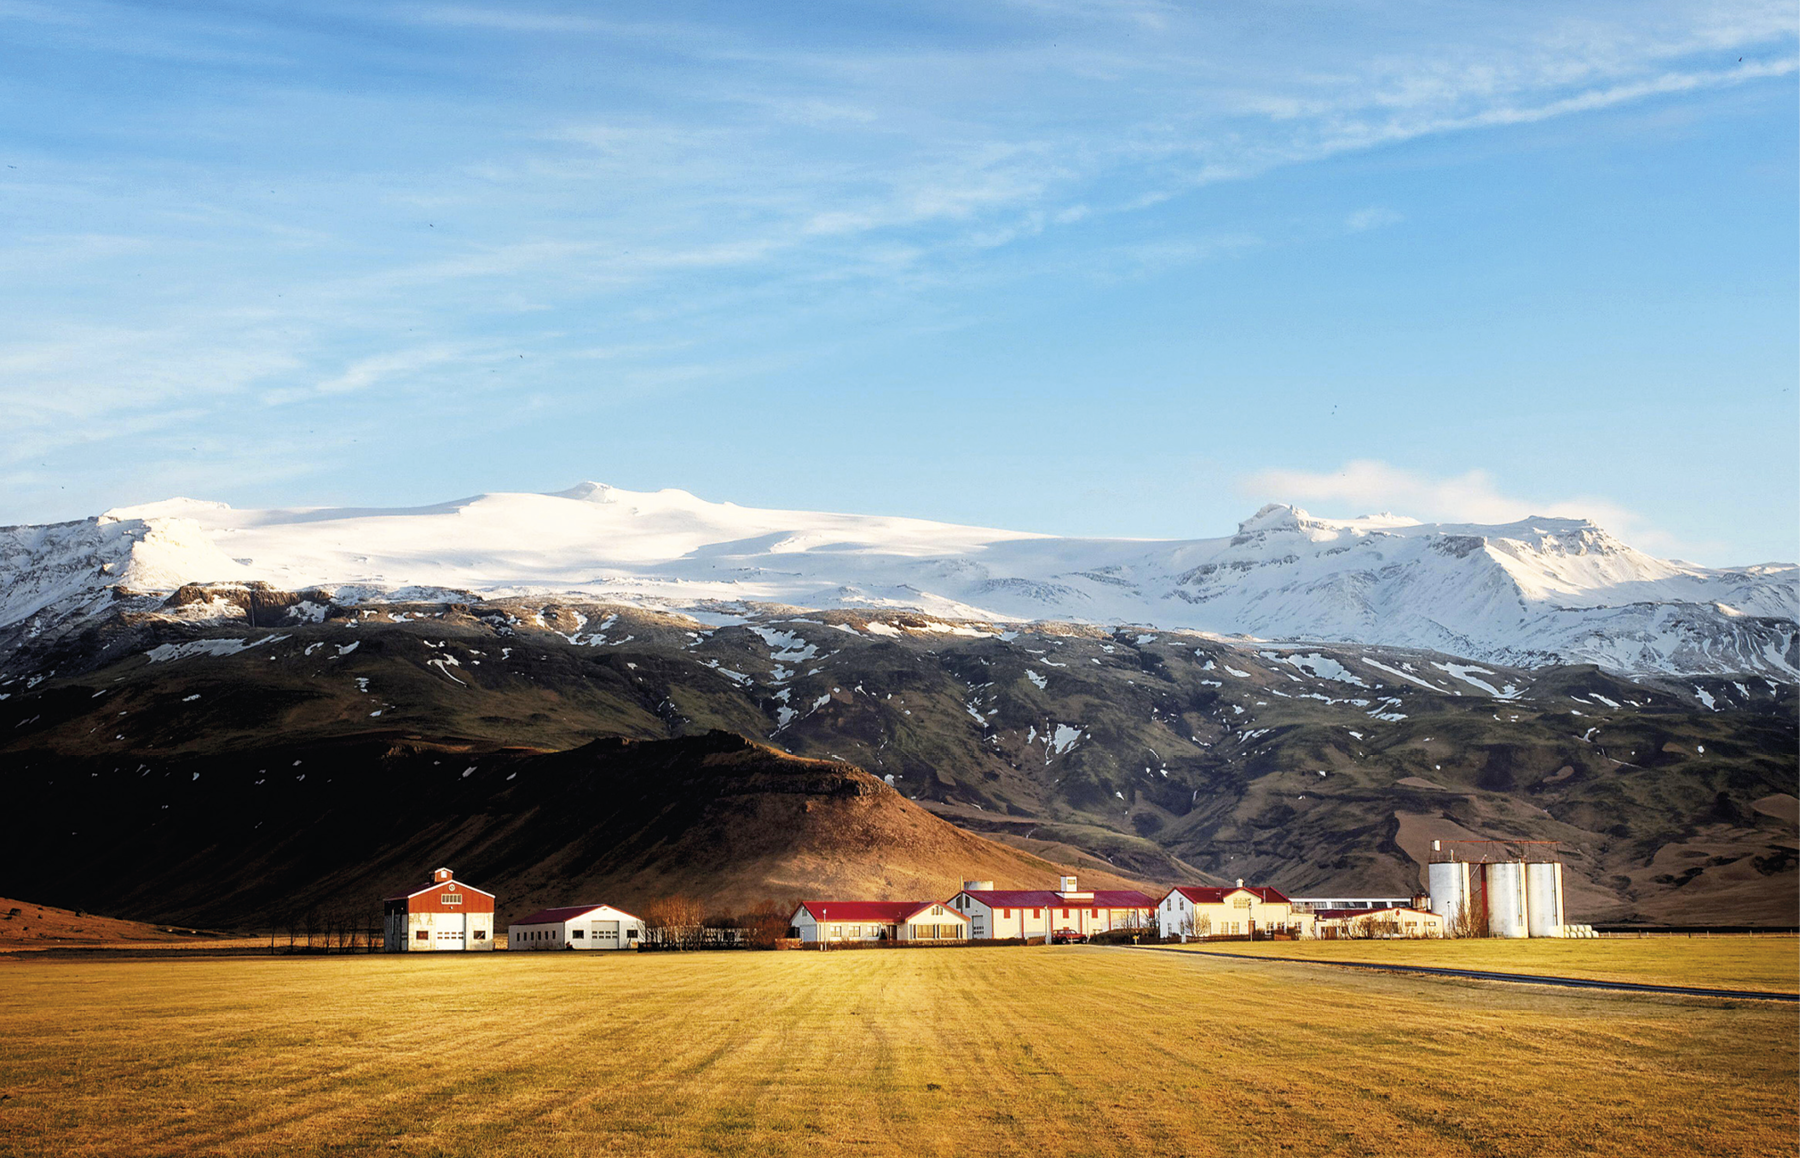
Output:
x=872 y=922
x=576 y=927
x=445 y=915
x=1392 y=921
x=1485 y=888
x=1230 y=911
x=1026 y=913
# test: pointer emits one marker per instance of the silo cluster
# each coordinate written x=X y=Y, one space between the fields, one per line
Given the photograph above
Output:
x=1503 y=898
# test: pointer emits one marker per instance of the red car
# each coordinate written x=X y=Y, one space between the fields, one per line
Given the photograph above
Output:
x=1068 y=937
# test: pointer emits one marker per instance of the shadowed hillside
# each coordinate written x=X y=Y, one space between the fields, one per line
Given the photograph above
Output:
x=255 y=837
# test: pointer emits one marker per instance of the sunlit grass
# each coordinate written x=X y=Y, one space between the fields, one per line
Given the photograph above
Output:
x=998 y=1050
x=1736 y=962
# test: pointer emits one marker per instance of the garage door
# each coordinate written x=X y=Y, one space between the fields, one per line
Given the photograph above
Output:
x=448 y=931
x=604 y=934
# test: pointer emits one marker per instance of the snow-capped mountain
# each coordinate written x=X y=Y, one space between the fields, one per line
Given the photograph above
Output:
x=1526 y=593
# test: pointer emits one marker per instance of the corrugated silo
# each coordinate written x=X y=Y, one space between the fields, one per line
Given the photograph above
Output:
x=1544 y=898
x=1449 y=886
x=1506 y=899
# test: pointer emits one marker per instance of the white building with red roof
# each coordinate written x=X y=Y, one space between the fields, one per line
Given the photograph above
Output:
x=576 y=927
x=999 y=914
x=1387 y=921
x=873 y=922
x=445 y=915
x=1229 y=911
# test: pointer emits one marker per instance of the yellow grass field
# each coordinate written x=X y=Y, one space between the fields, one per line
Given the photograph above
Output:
x=1076 y=1050
x=1769 y=963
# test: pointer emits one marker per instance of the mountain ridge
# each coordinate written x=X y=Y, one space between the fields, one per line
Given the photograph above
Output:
x=1531 y=592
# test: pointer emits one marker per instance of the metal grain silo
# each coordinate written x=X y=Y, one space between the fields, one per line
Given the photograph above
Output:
x=1448 y=882
x=1506 y=899
x=1544 y=898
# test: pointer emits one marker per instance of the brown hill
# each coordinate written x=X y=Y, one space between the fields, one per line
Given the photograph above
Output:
x=265 y=838
x=25 y=925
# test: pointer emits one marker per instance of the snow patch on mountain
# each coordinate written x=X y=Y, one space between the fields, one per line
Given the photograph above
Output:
x=1524 y=594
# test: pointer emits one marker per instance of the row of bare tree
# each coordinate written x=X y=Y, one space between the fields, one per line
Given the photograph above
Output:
x=324 y=931
x=682 y=922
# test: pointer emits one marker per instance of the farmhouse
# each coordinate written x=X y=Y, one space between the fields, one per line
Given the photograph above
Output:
x=873 y=922
x=1396 y=921
x=1025 y=913
x=444 y=915
x=576 y=927
x=1228 y=911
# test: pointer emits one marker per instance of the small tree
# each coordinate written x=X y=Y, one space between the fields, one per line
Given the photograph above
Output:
x=1466 y=923
x=764 y=924
x=674 y=922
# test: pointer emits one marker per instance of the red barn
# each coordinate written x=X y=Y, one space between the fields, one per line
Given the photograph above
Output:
x=445 y=915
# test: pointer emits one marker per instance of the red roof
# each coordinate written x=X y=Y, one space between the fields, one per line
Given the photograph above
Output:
x=1049 y=899
x=566 y=913
x=878 y=912
x=1214 y=896
x=449 y=884
x=1351 y=914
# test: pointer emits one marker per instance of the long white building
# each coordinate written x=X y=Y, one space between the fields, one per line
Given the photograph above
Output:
x=997 y=914
x=576 y=927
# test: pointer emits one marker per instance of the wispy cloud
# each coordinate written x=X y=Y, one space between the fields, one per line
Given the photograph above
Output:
x=359 y=204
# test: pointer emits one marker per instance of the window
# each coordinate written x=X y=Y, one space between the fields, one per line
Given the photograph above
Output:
x=481 y=934
x=577 y=935
x=451 y=899
x=855 y=931
x=1006 y=912
x=421 y=935
x=837 y=930
x=1036 y=913
x=1065 y=914
x=937 y=910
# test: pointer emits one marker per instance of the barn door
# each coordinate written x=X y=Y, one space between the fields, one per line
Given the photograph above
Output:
x=451 y=931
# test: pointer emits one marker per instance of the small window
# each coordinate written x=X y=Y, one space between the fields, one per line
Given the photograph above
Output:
x=422 y=935
x=1036 y=913
x=1006 y=912
x=577 y=935
x=481 y=934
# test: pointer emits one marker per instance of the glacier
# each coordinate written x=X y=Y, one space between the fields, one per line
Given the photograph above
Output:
x=1529 y=593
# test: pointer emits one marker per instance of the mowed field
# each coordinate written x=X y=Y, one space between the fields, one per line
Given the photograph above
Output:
x=1068 y=1050
x=1769 y=963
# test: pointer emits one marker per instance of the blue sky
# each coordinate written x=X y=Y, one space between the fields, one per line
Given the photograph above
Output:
x=1127 y=269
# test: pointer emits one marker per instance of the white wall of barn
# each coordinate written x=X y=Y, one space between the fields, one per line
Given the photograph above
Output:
x=602 y=929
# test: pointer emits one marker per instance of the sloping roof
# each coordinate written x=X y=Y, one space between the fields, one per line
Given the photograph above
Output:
x=879 y=912
x=452 y=883
x=1206 y=895
x=1050 y=899
x=565 y=913
x=1352 y=914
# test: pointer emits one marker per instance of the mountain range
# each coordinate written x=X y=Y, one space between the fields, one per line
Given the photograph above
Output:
x=1530 y=593
x=207 y=712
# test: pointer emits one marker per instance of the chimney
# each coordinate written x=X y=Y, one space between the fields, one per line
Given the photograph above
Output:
x=1240 y=882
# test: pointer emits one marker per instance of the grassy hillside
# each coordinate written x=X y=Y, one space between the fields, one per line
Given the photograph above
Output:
x=264 y=837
